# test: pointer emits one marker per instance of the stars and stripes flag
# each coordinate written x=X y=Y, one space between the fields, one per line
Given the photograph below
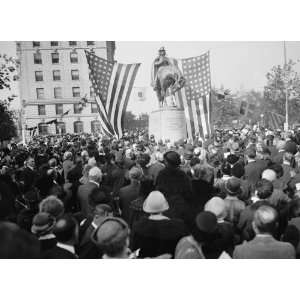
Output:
x=195 y=96
x=112 y=83
x=274 y=120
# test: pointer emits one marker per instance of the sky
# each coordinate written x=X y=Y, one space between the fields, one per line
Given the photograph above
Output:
x=235 y=65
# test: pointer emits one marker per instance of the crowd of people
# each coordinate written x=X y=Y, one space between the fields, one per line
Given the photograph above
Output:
x=235 y=195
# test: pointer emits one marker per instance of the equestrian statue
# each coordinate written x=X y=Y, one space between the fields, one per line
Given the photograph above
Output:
x=166 y=78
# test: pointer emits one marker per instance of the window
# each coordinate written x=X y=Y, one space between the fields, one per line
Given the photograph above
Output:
x=57 y=92
x=77 y=108
x=41 y=110
x=40 y=93
x=59 y=109
x=56 y=75
x=38 y=76
x=74 y=57
x=92 y=92
x=37 y=57
x=43 y=128
x=90 y=43
x=36 y=44
x=78 y=126
x=75 y=74
x=95 y=126
x=94 y=108
x=76 y=91
x=55 y=58
x=72 y=43
x=60 y=128
x=53 y=44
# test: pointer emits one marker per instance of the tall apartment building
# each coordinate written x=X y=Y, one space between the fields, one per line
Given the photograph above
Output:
x=54 y=77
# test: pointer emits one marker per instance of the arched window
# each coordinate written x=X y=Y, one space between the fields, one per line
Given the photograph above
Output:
x=60 y=128
x=95 y=126
x=78 y=127
x=43 y=128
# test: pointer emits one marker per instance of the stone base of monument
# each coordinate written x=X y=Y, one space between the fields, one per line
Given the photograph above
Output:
x=167 y=123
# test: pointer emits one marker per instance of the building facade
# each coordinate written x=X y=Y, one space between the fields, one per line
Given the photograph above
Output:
x=54 y=77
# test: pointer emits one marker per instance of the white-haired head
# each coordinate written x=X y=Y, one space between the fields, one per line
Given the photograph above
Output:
x=95 y=174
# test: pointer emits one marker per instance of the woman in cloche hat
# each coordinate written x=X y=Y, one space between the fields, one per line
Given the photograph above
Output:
x=156 y=234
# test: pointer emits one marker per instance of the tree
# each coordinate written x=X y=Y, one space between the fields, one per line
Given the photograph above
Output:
x=282 y=81
x=7 y=125
x=129 y=120
x=224 y=107
x=132 y=122
x=8 y=74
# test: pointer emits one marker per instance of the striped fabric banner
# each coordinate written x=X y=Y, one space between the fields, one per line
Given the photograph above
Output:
x=274 y=120
x=112 y=83
x=195 y=96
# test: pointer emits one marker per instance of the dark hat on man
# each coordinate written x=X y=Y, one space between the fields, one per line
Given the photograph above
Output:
x=188 y=155
x=42 y=223
x=172 y=158
x=233 y=186
x=238 y=170
x=206 y=222
x=291 y=147
x=232 y=159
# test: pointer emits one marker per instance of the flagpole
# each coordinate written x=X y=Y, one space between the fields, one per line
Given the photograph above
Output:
x=286 y=90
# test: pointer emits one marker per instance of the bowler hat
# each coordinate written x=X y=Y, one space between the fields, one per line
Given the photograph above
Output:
x=173 y=158
x=111 y=230
x=42 y=223
x=206 y=222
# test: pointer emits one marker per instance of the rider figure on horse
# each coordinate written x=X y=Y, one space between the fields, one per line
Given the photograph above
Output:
x=161 y=60
x=166 y=78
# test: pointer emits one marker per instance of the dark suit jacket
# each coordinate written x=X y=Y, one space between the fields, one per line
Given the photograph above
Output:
x=29 y=177
x=262 y=247
x=83 y=195
x=157 y=237
x=253 y=172
x=278 y=158
x=127 y=194
x=154 y=170
x=59 y=253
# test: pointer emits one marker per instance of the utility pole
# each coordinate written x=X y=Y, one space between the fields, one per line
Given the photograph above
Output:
x=286 y=127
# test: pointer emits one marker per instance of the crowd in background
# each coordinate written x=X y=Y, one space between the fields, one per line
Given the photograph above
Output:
x=235 y=194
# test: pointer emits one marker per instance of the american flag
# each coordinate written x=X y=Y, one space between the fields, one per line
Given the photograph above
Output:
x=274 y=120
x=195 y=96
x=112 y=83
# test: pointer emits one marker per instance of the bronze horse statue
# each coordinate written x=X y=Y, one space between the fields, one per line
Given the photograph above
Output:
x=169 y=80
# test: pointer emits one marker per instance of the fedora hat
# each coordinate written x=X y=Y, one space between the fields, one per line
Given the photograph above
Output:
x=42 y=223
x=233 y=186
x=155 y=203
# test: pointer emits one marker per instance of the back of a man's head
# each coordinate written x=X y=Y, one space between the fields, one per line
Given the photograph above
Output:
x=95 y=174
x=97 y=196
x=265 y=219
x=264 y=189
x=52 y=205
x=251 y=153
x=65 y=229
x=17 y=243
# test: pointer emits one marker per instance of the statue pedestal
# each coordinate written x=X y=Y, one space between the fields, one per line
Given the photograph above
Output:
x=167 y=123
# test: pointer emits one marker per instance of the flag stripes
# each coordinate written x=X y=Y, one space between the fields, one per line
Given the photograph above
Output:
x=275 y=121
x=195 y=96
x=113 y=83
